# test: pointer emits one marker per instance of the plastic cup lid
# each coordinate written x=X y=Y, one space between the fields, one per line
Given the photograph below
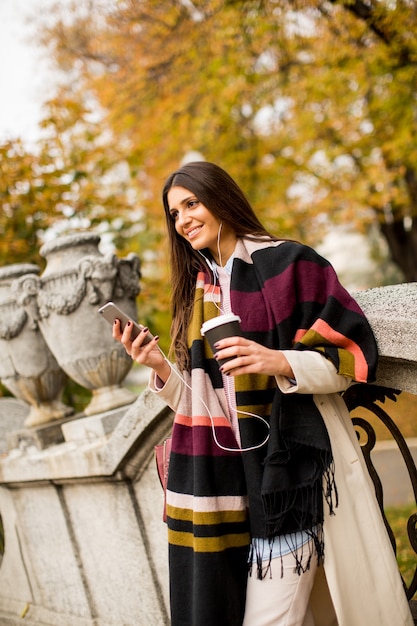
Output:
x=219 y=321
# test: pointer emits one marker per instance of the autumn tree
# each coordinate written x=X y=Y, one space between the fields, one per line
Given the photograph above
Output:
x=73 y=179
x=391 y=106
x=21 y=217
x=310 y=104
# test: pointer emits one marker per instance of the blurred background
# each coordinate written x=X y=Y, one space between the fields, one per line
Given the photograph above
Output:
x=309 y=104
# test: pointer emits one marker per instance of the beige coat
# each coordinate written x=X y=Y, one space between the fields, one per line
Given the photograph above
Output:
x=360 y=584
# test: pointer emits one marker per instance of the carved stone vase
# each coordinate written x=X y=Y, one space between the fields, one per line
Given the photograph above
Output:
x=77 y=280
x=28 y=368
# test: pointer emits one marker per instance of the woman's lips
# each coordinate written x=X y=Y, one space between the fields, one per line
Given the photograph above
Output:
x=193 y=232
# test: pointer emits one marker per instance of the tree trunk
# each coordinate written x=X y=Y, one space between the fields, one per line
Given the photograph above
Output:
x=402 y=243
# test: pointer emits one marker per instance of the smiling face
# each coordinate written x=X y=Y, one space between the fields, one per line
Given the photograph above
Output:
x=197 y=225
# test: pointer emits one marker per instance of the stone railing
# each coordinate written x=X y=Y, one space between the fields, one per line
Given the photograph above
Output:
x=81 y=502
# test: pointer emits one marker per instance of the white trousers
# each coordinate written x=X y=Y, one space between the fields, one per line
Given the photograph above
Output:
x=280 y=601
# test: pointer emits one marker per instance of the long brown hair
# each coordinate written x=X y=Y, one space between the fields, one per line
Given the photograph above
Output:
x=221 y=195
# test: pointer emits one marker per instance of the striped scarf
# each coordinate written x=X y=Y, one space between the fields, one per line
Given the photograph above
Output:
x=287 y=297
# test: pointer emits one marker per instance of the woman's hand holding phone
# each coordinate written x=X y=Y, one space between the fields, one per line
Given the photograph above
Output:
x=141 y=350
x=138 y=342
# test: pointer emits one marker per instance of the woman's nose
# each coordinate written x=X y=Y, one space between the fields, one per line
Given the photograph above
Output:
x=183 y=219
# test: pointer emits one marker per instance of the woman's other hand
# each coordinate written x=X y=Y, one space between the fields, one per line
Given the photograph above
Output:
x=251 y=358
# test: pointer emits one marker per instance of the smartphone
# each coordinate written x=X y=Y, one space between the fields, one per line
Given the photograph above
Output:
x=111 y=312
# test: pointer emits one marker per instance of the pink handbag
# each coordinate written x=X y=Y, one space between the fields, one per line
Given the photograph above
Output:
x=162 y=454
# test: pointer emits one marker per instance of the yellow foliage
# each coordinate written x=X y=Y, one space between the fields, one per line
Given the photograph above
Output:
x=310 y=106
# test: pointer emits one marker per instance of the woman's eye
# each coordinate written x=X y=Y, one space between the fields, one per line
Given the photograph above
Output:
x=174 y=215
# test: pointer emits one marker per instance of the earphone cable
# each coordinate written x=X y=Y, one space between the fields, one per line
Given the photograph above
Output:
x=213 y=427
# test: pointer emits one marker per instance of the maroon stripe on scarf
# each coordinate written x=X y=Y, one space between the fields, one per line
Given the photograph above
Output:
x=199 y=441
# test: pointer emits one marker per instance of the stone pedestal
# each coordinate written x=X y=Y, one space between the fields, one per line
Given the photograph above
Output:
x=13 y=414
x=85 y=544
x=40 y=437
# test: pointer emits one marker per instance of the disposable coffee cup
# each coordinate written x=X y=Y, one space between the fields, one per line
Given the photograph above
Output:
x=219 y=327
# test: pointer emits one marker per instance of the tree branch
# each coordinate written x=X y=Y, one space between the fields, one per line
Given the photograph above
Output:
x=376 y=19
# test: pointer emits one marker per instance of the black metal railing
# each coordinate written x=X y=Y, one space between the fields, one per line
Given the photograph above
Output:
x=366 y=397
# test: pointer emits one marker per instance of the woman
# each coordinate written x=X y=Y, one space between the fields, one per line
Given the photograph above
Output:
x=272 y=517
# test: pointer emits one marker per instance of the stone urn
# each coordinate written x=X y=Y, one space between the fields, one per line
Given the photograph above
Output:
x=65 y=299
x=28 y=369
